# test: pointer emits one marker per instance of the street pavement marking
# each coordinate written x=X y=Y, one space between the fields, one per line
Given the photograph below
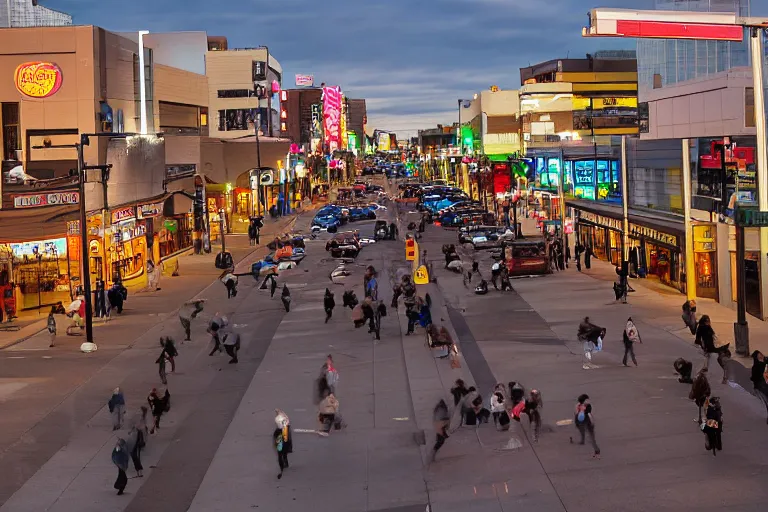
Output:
x=47 y=357
x=670 y=377
x=562 y=423
x=401 y=419
x=17 y=357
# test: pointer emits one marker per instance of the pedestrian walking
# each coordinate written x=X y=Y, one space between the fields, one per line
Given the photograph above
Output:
x=120 y=457
x=713 y=425
x=588 y=256
x=700 y=390
x=328 y=304
x=158 y=405
x=441 y=419
x=567 y=255
x=533 y=406
x=189 y=311
x=285 y=297
x=579 y=250
x=760 y=377
x=705 y=338
x=283 y=440
x=331 y=374
x=169 y=347
x=631 y=336
x=585 y=422
x=459 y=391
x=116 y=406
x=272 y=284
x=134 y=444
x=161 y=362
x=499 y=407
x=52 y=326
x=370 y=283
x=215 y=330
x=689 y=315
x=328 y=414
x=231 y=344
x=591 y=337
x=230 y=282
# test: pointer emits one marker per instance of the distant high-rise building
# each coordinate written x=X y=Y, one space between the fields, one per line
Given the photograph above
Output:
x=663 y=62
x=27 y=13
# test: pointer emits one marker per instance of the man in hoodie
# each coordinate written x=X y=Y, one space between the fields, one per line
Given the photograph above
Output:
x=328 y=304
x=116 y=406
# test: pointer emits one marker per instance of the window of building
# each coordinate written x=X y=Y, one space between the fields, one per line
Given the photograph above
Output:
x=749 y=107
x=148 y=81
x=236 y=119
x=259 y=70
x=236 y=93
x=9 y=115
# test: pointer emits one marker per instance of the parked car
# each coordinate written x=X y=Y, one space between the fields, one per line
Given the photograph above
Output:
x=344 y=245
x=326 y=221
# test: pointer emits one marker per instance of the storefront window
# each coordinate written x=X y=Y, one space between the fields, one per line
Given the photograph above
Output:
x=175 y=235
x=128 y=250
x=41 y=271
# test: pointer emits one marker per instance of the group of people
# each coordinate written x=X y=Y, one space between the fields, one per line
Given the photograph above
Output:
x=128 y=448
x=592 y=337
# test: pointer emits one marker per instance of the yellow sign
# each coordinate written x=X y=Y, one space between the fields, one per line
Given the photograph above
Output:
x=421 y=276
x=581 y=103
x=494 y=88
x=38 y=79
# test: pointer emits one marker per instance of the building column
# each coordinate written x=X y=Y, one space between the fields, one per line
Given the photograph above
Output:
x=756 y=41
x=690 y=266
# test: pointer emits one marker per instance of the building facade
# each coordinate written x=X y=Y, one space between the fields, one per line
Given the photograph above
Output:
x=27 y=13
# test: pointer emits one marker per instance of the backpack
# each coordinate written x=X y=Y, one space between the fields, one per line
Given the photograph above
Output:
x=581 y=414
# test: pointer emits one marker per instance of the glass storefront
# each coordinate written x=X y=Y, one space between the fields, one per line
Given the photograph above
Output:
x=40 y=270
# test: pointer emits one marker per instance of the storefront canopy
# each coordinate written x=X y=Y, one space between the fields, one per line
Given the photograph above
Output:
x=27 y=225
x=667 y=223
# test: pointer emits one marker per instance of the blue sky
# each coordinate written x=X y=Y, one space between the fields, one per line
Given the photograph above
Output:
x=410 y=59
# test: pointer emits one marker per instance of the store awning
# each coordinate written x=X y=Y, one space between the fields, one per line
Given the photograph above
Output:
x=667 y=223
x=27 y=225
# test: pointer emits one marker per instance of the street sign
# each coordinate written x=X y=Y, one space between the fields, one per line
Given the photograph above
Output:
x=410 y=249
x=749 y=218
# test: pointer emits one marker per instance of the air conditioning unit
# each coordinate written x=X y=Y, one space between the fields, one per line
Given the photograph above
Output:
x=267 y=178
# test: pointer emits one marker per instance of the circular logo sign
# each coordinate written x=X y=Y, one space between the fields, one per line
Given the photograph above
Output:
x=38 y=79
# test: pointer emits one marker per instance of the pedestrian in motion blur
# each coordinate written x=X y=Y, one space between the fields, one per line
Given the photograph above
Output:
x=700 y=390
x=120 y=457
x=158 y=405
x=328 y=304
x=441 y=419
x=116 y=406
x=283 y=440
x=591 y=337
x=285 y=297
x=189 y=311
x=585 y=422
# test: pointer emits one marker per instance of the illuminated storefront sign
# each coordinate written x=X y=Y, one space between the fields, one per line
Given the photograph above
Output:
x=50 y=199
x=123 y=214
x=44 y=248
x=150 y=210
x=38 y=79
x=332 y=117
x=305 y=80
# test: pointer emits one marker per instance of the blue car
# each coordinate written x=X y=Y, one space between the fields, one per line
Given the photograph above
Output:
x=326 y=221
x=361 y=214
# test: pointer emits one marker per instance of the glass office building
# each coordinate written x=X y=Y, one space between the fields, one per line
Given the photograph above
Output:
x=680 y=60
x=27 y=13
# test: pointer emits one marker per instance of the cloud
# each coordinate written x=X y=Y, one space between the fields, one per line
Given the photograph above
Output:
x=410 y=59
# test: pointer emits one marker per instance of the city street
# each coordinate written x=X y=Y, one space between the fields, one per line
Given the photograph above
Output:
x=214 y=449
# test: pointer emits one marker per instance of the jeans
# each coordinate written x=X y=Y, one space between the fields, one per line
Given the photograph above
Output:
x=117 y=416
x=588 y=428
x=629 y=349
x=136 y=453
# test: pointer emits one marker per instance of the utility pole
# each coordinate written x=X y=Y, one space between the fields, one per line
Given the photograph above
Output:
x=84 y=242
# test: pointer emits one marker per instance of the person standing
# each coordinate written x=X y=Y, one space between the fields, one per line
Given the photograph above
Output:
x=579 y=249
x=230 y=281
x=161 y=362
x=705 y=338
x=169 y=346
x=459 y=391
x=283 y=439
x=588 y=256
x=133 y=445
x=120 y=457
x=371 y=284
x=499 y=407
x=631 y=336
x=52 y=326
x=328 y=304
x=116 y=406
x=758 y=377
x=441 y=419
x=157 y=406
x=252 y=233
x=585 y=422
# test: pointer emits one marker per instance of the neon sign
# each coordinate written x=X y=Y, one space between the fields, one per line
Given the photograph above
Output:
x=38 y=79
x=332 y=117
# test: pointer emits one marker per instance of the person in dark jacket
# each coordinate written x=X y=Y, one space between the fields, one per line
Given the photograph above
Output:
x=585 y=422
x=705 y=338
x=758 y=377
x=328 y=304
x=588 y=256
x=120 y=458
x=700 y=390
x=579 y=250
x=158 y=405
x=441 y=419
x=689 y=315
x=286 y=298
x=117 y=295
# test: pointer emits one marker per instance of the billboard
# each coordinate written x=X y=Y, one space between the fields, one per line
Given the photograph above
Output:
x=305 y=80
x=332 y=117
x=384 y=143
